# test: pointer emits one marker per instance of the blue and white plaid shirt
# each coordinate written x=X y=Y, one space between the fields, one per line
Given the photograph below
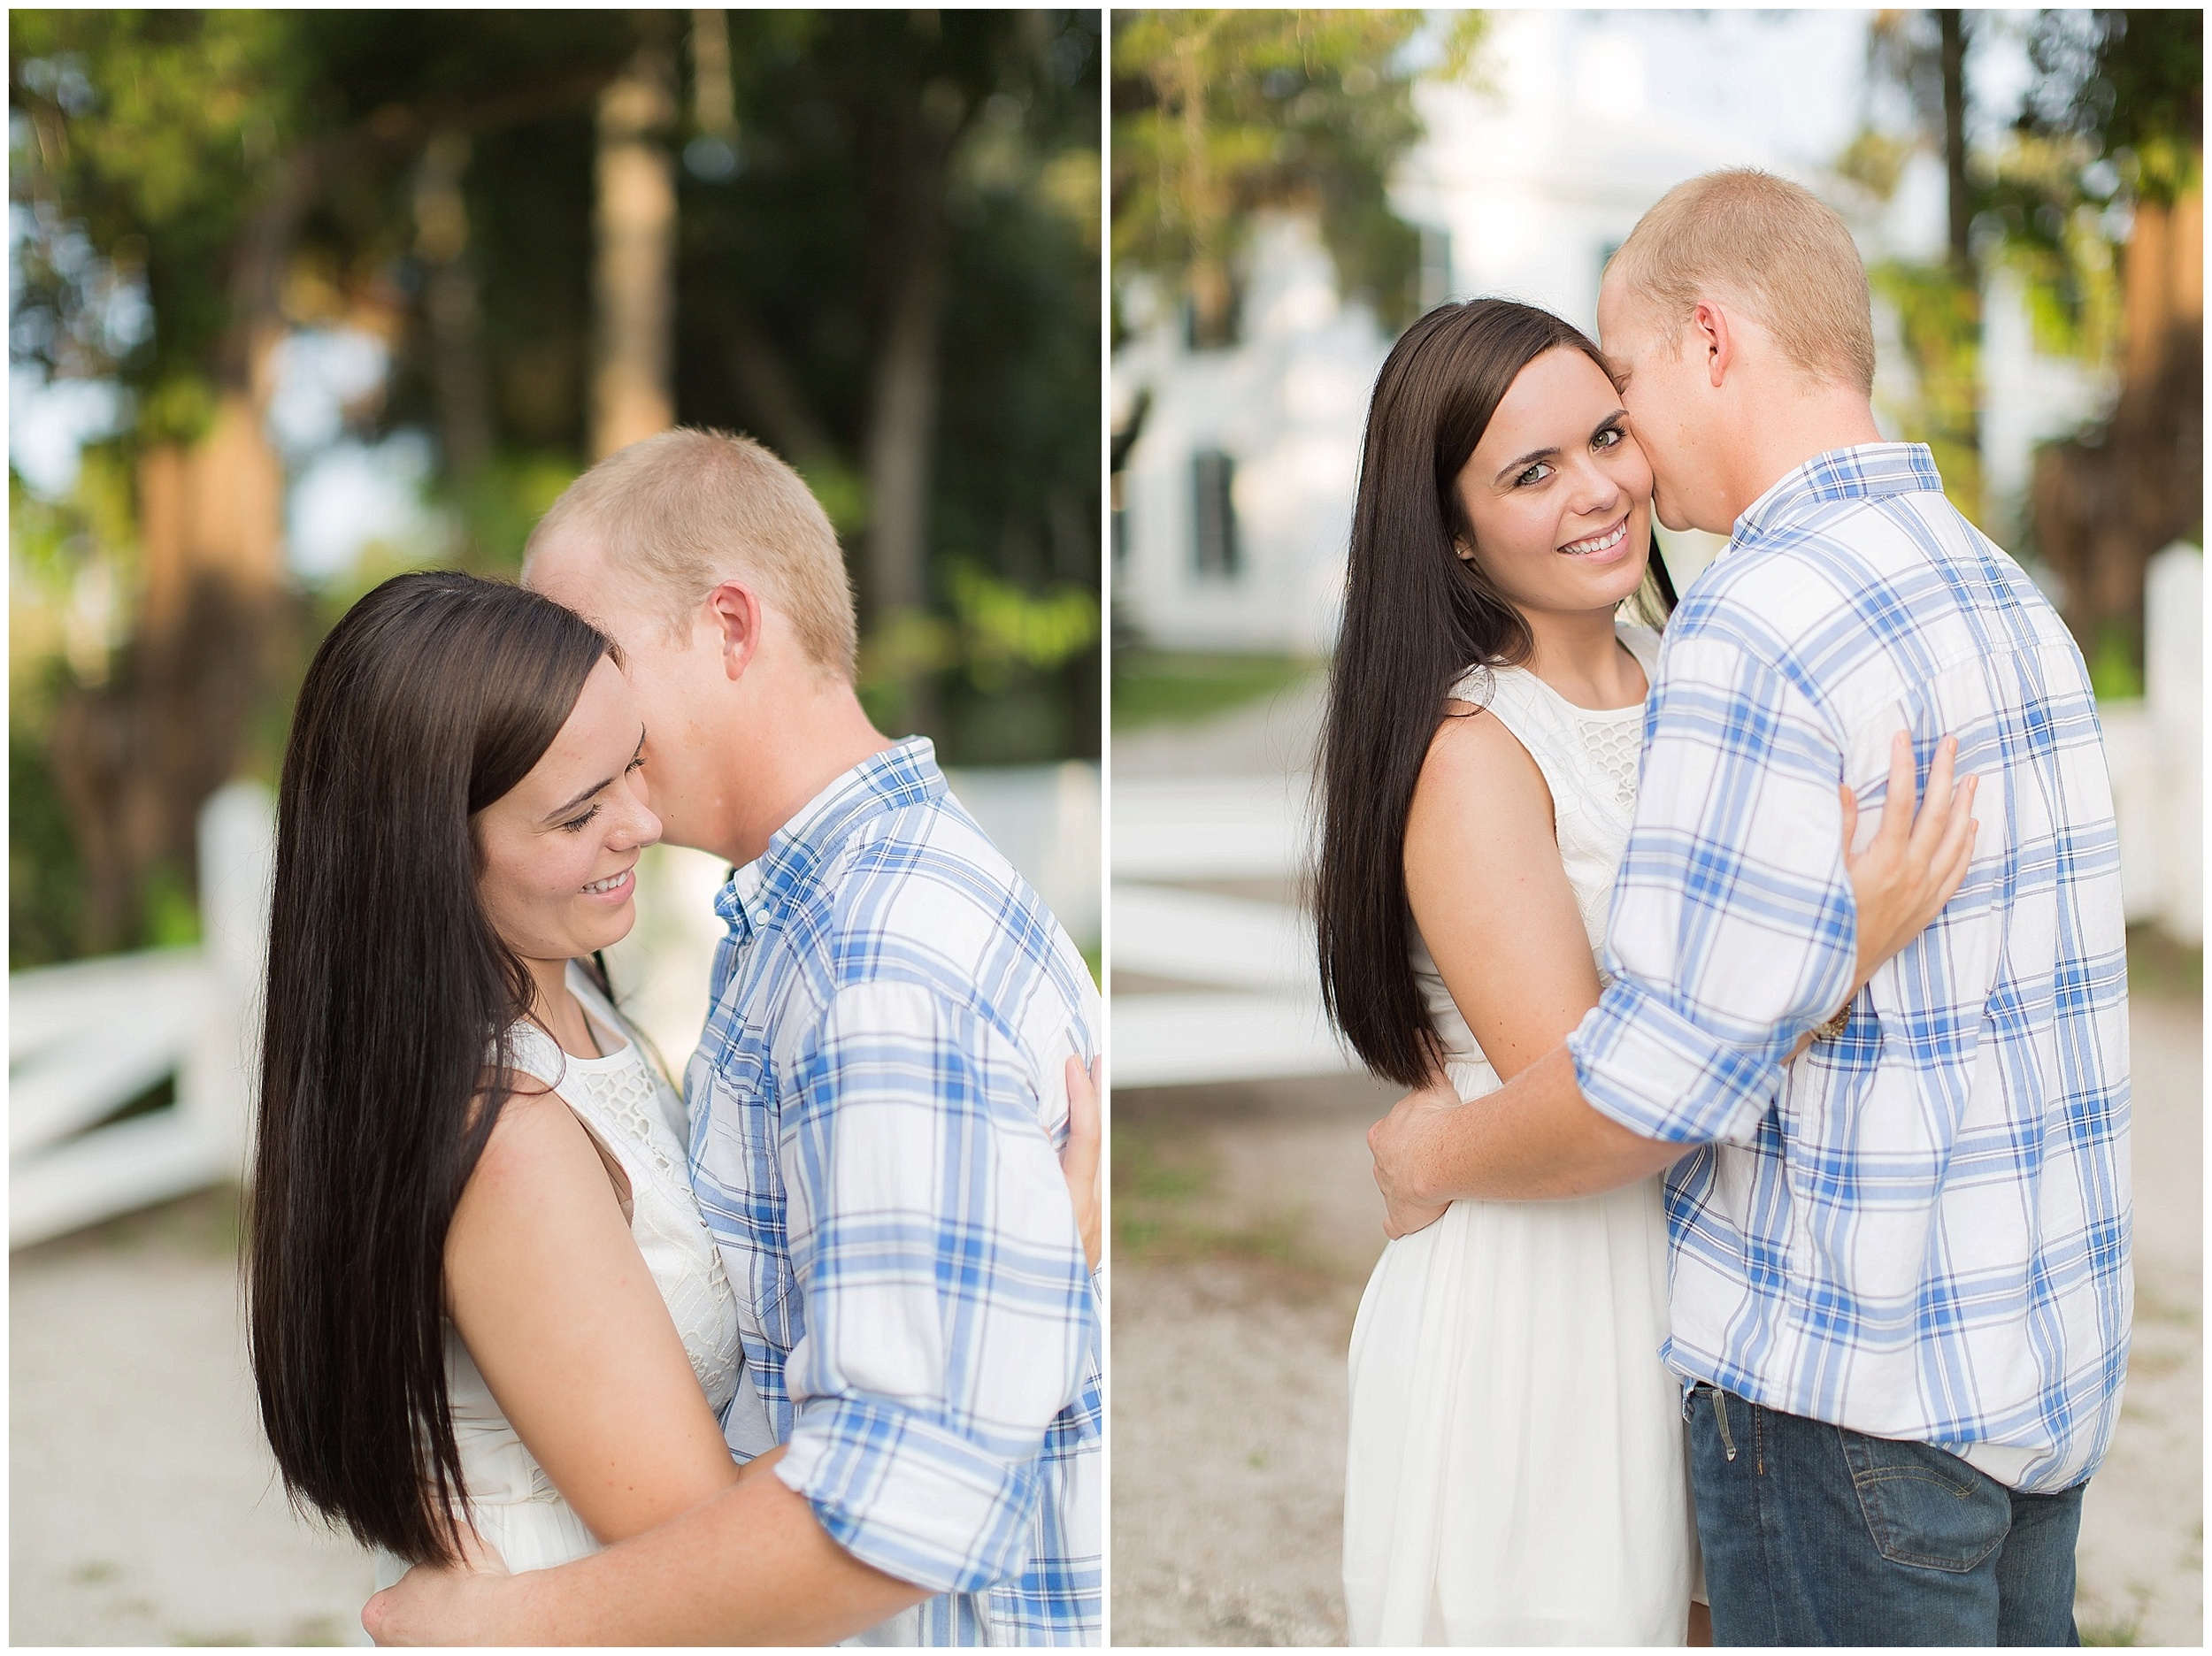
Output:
x=876 y=1105
x=1920 y=1230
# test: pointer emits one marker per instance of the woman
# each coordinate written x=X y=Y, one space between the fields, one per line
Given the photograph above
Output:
x=481 y=1295
x=1516 y=1466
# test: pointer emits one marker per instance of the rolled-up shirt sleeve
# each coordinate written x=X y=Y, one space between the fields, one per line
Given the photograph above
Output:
x=946 y=1307
x=1733 y=928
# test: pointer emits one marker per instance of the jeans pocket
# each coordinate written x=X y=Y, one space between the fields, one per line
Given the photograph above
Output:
x=1924 y=1505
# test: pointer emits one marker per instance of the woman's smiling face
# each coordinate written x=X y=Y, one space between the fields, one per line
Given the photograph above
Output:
x=558 y=853
x=1557 y=491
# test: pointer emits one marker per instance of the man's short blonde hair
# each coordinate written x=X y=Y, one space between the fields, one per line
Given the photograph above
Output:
x=1775 y=248
x=686 y=509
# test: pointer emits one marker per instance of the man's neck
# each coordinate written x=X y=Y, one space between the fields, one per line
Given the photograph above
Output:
x=795 y=750
x=1789 y=432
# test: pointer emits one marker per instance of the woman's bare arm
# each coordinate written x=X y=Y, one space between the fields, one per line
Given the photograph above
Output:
x=549 y=1291
x=1490 y=895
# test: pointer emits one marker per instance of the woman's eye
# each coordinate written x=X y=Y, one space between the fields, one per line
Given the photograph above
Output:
x=638 y=763
x=1534 y=474
x=577 y=826
x=1609 y=438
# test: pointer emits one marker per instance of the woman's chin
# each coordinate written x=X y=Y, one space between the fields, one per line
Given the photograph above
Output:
x=605 y=929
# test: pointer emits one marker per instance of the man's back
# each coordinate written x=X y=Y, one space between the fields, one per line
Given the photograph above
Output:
x=875 y=1105
x=1921 y=1232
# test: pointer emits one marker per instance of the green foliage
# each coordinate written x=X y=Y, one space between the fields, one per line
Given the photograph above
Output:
x=1220 y=114
x=45 y=880
x=173 y=915
x=1166 y=687
x=2114 y=674
x=1004 y=628
x=784 y=266
x=498 y=508
x=1940 y=317
x=2131 y=85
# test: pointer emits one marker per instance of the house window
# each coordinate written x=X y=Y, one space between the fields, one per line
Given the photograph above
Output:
x=1214 y=515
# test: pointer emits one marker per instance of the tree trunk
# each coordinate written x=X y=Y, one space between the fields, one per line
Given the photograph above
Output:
x=450 y=304
x=633 y=270
x=902 y=404
x=2103 y=508
x=904 y=409
x=1960 y=201
x=134 y=757
x=1953 y=29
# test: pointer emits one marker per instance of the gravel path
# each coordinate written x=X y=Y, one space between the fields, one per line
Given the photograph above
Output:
x=1246 y=1223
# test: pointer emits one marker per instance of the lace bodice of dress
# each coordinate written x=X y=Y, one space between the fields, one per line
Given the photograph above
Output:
x=1588 y=757
x=640 y=1118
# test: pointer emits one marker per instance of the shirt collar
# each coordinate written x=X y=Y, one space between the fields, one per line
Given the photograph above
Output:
x=1860 y=471
x=902 y=774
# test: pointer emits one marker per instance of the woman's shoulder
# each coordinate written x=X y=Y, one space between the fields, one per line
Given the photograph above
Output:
x=1477 y=758
x=537 y=1148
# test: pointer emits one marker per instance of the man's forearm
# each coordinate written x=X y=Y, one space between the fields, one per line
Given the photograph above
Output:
x=1536 y=1139
x=750 y=1567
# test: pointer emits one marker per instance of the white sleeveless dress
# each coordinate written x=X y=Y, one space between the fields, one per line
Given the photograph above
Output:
x=1518 y=1465
x=639 y=1119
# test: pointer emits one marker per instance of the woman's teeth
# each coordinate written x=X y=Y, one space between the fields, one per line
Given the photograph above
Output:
x=1605 y=542
x=612 y=882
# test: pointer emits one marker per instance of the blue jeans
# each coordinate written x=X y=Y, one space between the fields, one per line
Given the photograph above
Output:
x=1814 y=1535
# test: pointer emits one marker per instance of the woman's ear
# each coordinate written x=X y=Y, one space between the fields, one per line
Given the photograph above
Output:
x=1463 y=551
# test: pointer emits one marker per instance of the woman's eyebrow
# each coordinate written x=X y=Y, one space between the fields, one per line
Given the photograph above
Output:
x=1530 y=458
x=563 y=810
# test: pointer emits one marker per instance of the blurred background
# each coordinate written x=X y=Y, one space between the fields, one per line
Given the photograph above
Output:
x=1288 y=190
x=300 y=299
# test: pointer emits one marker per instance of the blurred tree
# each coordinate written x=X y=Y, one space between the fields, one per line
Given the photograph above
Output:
x=2123 y=93
x=211 y=160
x=908 y=193
x=634 y=269
x=201 y=185
x=1220 y=114
x=1938 y=303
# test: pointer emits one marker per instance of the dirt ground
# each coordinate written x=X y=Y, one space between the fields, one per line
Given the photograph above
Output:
x=143 y=1506
x=1246 y=1223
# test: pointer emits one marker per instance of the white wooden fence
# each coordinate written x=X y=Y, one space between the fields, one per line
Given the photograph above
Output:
x=85 y=1038
x=1247 y=1002
x=1253 y=1010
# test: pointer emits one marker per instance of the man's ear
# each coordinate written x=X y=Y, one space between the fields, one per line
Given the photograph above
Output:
x=1708 y=327
x=735 y=609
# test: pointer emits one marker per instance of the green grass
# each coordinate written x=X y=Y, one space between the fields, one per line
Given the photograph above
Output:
x=1176 y=687
x=2125 y=1631
x=1165 y=1181
x=2159 y=966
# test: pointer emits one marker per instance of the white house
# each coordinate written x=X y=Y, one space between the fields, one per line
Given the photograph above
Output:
x=1234 y=505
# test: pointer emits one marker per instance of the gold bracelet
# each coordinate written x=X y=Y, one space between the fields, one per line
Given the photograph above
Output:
x=1835 y=1025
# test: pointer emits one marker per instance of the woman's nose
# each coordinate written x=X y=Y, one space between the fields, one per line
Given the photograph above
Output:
x=638 y=826
x=1597 y=490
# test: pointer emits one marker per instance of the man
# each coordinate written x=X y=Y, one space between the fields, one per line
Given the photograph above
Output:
x=872 y=1103
x=1899 y=1282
